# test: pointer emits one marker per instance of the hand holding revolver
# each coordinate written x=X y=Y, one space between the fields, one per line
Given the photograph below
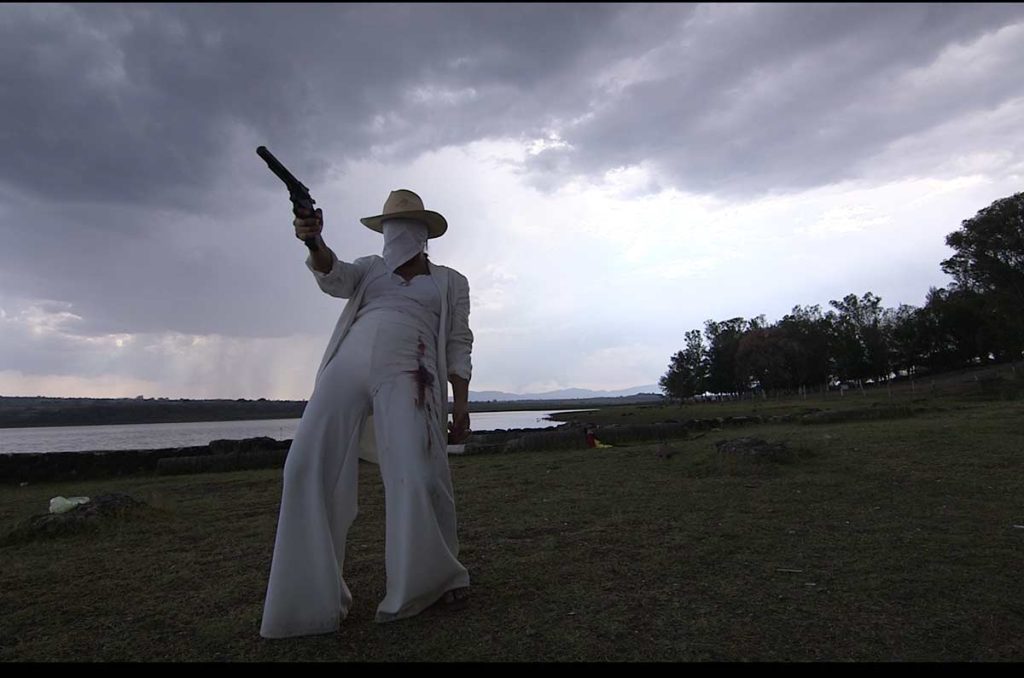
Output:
x=309 y=225
x=302 y=202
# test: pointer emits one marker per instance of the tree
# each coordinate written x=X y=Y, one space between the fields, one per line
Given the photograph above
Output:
x=766 y=356
x=989 y=255
x=956 y=328
x=860 y=347
x=723 y=343
x=810 y=332
x=687 y=371
x=989 y=261
x=907 y=340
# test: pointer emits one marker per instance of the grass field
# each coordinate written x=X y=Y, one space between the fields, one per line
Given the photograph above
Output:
x=876 y=540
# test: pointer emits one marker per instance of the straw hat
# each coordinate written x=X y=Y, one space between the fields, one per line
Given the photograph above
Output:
x=403 y=204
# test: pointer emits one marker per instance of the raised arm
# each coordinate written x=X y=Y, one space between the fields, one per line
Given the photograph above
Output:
x=334 y=276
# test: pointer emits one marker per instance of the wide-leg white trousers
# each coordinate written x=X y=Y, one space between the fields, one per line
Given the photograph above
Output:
x=386 y=367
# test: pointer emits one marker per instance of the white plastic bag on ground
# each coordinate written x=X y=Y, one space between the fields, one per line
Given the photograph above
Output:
x=65 y=504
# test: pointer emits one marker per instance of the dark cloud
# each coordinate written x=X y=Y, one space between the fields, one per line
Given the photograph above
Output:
x=179 y=273
x=123 y=126
x=129 y=170
x=136 y=103
x=779 y=98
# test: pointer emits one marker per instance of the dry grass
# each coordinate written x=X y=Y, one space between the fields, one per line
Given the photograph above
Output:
x=875 y=540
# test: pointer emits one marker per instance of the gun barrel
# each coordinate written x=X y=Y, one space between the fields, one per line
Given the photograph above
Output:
x=280 y=170
x=297 y=191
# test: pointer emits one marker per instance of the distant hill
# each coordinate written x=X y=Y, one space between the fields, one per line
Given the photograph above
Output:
x=563 y=394
x=36 y=411
x=18 y=411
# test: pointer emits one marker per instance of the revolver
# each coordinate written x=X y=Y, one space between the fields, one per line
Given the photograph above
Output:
x=297 y=191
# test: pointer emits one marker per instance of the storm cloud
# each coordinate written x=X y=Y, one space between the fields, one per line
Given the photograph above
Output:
x=132 y=201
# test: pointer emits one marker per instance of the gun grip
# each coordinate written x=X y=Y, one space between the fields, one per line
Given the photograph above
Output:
x=306 y=202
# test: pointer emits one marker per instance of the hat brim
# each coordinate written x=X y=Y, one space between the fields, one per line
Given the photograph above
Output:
x=436 y=224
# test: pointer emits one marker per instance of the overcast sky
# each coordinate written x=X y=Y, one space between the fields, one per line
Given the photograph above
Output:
x=612 y=175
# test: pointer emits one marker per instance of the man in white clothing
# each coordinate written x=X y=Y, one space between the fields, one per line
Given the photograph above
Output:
x=378 y=396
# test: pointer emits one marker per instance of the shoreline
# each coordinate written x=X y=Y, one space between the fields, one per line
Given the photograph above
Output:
x=260 y=452
x=77 y=424
x=32 y=412
x=266 y=452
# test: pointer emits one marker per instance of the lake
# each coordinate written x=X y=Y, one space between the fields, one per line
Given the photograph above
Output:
x=156 y=436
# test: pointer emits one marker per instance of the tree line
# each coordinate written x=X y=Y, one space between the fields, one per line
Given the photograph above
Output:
x=977 y=318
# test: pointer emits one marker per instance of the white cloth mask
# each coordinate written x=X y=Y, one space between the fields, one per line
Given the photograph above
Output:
x=403 y=240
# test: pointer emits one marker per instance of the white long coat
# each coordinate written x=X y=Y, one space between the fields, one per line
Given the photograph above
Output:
x=454 y=338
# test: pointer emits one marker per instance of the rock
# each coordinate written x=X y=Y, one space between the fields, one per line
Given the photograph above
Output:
x=244 y=446
x=860 y=414
x=98 y=510
x=236 y=461
x=754 y=448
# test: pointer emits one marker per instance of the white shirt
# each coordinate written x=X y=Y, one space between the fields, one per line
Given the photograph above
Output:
x=416 y=302
x=454 y=340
